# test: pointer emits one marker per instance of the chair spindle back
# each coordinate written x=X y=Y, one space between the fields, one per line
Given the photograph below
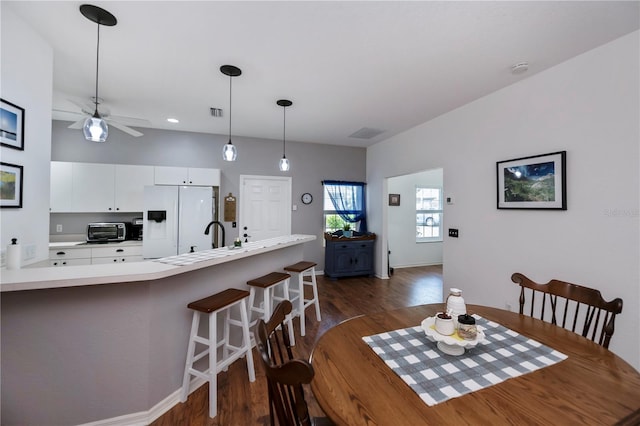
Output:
x=285 y=375
x=574 y=307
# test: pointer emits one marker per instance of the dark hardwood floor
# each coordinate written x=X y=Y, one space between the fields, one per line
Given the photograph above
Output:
x=243 y=403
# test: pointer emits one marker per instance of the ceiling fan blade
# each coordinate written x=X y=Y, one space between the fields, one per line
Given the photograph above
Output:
x=85 y=108
x=124 y=128
x=78 y=124
x=130 y=121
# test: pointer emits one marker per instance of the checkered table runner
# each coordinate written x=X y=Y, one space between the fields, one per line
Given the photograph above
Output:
x=436 y=376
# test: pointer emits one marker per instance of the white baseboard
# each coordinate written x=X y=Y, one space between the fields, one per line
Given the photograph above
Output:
x=416 y=265
x=144 y=418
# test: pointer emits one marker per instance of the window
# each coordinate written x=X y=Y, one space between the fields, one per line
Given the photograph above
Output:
x=428 y=214
x=344 y=203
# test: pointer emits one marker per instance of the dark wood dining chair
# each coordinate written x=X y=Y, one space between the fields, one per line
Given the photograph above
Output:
x=285 y=374
x=583 y=309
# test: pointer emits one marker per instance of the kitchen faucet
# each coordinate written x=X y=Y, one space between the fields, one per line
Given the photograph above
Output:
x=215 y=222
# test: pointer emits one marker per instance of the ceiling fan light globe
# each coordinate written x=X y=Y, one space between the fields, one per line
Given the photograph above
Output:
x=284 y=164
x=95 y=129
x=229 y=152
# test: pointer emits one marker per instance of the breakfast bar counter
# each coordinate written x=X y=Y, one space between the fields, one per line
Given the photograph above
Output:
x=72 y=276
x=107 y=343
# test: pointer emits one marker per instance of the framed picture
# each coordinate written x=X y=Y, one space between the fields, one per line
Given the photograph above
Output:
x=394 y=199
x=537 y=182
x=10 y=185
x=11 y=125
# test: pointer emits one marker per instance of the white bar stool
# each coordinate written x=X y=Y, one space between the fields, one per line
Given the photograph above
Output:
x=269 y=283
x=211 y=306
x=304 y=269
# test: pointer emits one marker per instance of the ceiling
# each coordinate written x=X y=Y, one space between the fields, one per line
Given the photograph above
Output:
x=387 y=65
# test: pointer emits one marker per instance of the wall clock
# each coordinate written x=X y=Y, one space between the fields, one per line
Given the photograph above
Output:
x=307 y=198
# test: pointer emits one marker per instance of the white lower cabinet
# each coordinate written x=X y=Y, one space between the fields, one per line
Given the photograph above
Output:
x=111 y=253
x=116 y=254
x=70 y=256
x=104 y=260
x=69 y=262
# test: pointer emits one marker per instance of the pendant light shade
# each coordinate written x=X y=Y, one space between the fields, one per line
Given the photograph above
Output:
x=229 y=151
x=284 y=162
x=95 y=128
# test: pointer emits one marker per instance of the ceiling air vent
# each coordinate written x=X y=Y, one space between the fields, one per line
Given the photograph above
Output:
x=366 y=133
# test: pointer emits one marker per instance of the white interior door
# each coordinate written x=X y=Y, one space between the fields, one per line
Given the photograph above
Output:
x=265 y=207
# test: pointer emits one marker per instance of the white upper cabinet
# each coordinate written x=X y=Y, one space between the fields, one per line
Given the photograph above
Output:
x=129 y=186
x=95 y=187
x=186 y=176
x=61 y=186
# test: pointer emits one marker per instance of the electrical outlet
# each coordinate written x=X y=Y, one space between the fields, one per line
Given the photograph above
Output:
x=58 y=228
x=453 y=233
x=507 y=306
x=29 y=251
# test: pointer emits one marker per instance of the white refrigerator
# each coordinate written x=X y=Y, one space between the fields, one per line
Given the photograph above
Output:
x=174 y=220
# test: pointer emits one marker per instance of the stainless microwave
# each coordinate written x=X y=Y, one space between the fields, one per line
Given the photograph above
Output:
x=106 y=231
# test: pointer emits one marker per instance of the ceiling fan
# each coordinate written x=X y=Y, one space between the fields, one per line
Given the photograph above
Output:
x=119 y=122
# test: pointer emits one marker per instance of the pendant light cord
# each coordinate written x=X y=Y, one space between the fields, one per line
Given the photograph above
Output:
x=230 y=83
x=97 y=67
x=284 y=132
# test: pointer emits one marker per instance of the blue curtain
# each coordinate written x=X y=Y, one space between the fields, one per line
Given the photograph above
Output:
x=349 y=201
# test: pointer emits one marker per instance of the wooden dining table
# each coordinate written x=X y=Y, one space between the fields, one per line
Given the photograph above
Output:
x=354 y=386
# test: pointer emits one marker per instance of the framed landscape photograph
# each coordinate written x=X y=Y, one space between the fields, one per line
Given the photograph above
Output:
x=536 y=182
x=11 y=125
x=10 y=185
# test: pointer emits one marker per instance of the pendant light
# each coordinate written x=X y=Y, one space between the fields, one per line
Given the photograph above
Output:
x=284 y=162
x=95 y=129
x=229 y=152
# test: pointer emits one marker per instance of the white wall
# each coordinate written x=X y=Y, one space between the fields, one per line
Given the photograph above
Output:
x=26 y=80
x=405 y=252
x=588 y=106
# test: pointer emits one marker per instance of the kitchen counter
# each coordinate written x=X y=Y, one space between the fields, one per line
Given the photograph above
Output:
x=71 y=244
x=106 y=344
x=83 y=275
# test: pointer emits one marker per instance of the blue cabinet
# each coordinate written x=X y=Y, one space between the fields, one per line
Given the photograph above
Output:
x=348 y=257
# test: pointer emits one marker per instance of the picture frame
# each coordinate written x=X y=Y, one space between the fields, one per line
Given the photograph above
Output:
x=11 y=125
x=394 y=199
x=11 y=178
x=535 y=182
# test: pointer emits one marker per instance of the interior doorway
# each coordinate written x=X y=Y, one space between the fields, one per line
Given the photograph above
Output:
x=415 y=225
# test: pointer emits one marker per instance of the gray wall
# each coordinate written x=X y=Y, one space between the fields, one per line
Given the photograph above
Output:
x=310 y=164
